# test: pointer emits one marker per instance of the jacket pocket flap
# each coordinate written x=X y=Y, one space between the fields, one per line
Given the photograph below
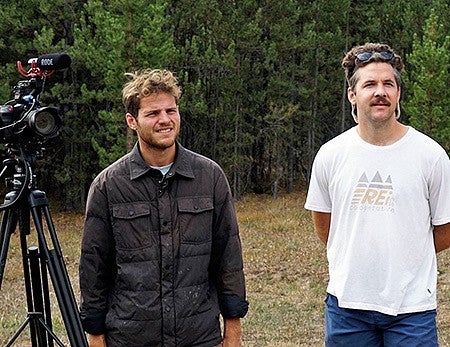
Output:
x=195 y=204
x=131 y=210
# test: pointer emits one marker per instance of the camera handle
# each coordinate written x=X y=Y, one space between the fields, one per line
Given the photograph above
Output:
x=38 y=262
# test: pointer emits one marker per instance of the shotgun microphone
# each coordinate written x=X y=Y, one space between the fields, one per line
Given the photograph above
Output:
x=54 y=61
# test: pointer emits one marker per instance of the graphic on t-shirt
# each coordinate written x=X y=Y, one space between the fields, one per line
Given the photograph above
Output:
x=373 y=195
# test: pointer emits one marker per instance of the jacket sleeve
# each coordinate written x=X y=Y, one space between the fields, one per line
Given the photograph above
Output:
x=227 y=261
x=97 y=262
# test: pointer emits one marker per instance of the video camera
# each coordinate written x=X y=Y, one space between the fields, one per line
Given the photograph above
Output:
x=23 y=121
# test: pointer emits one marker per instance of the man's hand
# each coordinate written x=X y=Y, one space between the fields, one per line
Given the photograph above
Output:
x=96 y=340
x=232 y=332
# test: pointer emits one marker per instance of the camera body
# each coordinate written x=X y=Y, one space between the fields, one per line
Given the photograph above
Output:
x=23 y=122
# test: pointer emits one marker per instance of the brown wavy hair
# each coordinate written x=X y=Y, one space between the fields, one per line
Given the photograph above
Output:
x=351 y=64
x=146 y=82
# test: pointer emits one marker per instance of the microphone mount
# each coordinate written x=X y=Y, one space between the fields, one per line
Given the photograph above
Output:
x=45 y=65
x=34 y=71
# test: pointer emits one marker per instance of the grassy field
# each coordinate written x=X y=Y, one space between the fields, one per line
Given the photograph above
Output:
x=285 y=267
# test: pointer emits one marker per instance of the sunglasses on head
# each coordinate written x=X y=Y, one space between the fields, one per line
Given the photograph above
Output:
x=365 y=56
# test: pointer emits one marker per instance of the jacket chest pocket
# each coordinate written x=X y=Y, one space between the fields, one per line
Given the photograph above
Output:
x=132 y=225
x=195 y=219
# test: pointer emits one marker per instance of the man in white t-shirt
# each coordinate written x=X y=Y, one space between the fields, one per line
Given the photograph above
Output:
x=380 y=201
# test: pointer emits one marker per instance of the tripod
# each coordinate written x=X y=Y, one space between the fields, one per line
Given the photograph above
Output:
x=21 y=202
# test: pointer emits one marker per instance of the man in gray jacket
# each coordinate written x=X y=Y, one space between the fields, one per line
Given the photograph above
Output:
x=161 y=256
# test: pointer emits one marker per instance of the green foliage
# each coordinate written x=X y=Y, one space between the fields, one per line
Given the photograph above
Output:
x=115 y=123
x=262 y=82
x=111 y=39
x=428 y=104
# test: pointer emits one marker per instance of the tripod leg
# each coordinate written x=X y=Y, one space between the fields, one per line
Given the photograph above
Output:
x=18 y=332
x=38 y=328
x=7 y=227
x=36 y=317
x=57 y=269
x=23 y=216
x=37 y=289
x=11 y=217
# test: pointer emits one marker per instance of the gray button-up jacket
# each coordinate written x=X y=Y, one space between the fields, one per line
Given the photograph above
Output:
x=161 y=256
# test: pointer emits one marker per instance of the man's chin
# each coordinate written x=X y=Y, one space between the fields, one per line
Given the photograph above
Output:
x=162 y=146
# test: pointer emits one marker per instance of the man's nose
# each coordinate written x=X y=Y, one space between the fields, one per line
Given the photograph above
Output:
x=380 y=90
x=164 y=117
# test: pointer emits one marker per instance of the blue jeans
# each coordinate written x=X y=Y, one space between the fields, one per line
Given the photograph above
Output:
x=358 y=328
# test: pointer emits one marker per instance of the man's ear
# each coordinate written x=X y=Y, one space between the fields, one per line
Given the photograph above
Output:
x=131 y=121
x=351 y=95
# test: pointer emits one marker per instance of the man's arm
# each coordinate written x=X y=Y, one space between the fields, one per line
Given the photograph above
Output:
x=232 y=332
x=227 y=263
x=442 y=237
x=322 y=221
x=97 y=263
x=96 y=340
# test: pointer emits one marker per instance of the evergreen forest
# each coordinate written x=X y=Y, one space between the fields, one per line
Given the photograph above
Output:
x=262 y=81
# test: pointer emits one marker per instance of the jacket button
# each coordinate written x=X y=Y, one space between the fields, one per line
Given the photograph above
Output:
x=131 y=213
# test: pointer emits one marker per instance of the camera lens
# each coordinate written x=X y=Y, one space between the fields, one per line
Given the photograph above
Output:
x=45 y=121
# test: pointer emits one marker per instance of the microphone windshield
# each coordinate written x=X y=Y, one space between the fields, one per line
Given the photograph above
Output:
x=54 y=61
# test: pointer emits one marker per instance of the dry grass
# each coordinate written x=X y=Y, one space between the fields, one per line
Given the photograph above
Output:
x=286 y=272
x=285 y=267
x=13 y=309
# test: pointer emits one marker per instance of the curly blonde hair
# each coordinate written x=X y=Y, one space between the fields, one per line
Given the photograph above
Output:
x=146 y=82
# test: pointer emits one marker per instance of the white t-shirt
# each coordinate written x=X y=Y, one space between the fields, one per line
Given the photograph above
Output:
x=383 y=202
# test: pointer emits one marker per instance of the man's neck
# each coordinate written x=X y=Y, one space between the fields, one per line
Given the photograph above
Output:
x=158 y=157
x=383 y=134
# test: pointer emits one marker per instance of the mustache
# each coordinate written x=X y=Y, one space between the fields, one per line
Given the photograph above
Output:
x=381 y=100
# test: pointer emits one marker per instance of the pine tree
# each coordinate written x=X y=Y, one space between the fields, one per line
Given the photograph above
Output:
x=427 y=94
x=114 y=38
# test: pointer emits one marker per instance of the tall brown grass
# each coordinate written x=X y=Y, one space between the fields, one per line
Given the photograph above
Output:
x=285 y=266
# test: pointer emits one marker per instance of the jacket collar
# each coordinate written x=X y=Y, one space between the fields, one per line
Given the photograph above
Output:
x=182 y=164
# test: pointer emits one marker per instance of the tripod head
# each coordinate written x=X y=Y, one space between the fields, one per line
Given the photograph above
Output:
x=19 y=177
